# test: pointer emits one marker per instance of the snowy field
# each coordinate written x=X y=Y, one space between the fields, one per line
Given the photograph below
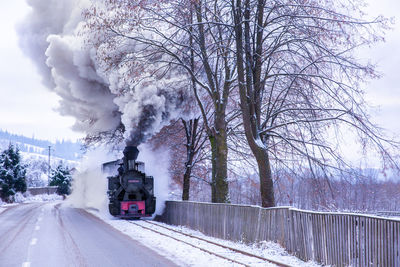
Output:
x=186 y=255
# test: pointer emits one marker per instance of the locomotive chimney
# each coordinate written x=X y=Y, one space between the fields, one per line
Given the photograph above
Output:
x=130 y=155
x=131 y=152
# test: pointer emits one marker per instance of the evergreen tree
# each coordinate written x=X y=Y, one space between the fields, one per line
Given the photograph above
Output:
x=61 y=177
x=12 y=173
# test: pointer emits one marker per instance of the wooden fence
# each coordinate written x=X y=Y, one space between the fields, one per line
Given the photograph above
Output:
x=338 y=239
x=42 y=190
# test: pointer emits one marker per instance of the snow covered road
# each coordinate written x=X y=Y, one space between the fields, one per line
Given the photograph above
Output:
x=51 y=234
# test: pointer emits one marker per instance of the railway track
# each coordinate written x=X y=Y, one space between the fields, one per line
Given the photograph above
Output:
x=172 y=233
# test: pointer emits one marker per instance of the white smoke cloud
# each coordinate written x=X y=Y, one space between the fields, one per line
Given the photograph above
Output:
x=85 y=95
x=89 y=184
x=74 y=61
x=46 y=18
x=156 y=163
x=49 y=36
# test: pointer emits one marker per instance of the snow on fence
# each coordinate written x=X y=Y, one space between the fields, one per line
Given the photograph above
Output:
x=42 y=190
x=339 y=239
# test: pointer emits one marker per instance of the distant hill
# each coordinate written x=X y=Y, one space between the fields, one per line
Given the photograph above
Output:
x=61 y=149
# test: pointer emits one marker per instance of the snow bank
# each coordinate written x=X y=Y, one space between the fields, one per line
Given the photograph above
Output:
x=26 y=198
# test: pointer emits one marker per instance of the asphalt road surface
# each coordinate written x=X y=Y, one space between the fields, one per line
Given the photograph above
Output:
x=50 y=234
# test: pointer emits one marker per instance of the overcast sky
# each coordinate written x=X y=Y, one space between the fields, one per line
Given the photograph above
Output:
x=27 y=107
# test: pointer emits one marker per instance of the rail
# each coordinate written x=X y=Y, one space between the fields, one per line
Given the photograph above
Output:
x=339 y=239
x=172 y=233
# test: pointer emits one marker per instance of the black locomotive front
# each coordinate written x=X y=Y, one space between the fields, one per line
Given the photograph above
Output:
x=131 y=192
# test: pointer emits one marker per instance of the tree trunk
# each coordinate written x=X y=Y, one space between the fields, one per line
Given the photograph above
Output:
x=219 y=157
x=191 y=138
x=248 y=103
x=266 y=182
x=217 y=133
x=186 y=183
x=213 y=169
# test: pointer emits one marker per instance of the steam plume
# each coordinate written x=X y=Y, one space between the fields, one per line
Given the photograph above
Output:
x=52 y=36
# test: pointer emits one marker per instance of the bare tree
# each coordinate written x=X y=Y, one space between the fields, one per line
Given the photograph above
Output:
x=360 y=189
x=293 y=64
x=299 y=83
x=185 y=141
x=111 y=138
x=194 y=143
x=177 y=34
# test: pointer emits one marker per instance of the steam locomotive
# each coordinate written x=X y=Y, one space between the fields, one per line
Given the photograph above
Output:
x=130 y=192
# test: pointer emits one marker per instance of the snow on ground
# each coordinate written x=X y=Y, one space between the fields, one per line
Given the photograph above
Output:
x=266 y=249
x=27 y=198
x=4 y=205
x=186 y=255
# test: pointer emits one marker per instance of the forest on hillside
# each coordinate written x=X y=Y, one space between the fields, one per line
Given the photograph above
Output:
x=63 y=149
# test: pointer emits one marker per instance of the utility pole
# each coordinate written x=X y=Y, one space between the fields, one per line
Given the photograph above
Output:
x=49 y=170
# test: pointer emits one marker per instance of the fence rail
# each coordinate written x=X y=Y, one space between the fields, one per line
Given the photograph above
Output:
x=42 y=190
x=339 y=239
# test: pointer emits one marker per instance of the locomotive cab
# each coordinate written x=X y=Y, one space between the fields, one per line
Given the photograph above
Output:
x=131 y=192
